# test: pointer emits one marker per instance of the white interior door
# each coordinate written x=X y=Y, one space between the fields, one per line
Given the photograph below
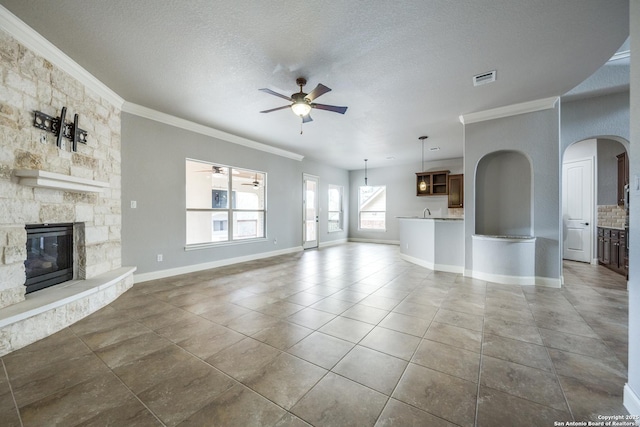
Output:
x=577 y=210
x=310 y=209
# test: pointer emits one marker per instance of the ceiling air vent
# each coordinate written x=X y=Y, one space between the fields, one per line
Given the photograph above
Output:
x=484 y=78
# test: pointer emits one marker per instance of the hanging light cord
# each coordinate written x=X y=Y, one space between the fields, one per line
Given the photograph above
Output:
x=365 y=172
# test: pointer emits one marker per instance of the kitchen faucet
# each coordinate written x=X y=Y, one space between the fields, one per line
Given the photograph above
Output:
x=424 y=214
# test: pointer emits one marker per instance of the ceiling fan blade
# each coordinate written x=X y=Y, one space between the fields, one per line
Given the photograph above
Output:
x=317 y=92
x=307 y=118
x=264 y=89
x=333 y=108
x=276 y=109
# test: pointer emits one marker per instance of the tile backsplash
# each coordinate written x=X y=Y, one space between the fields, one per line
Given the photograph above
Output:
x=612 y=216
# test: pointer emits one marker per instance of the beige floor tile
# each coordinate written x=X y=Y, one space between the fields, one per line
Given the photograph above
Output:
x=311 y=318
x=391 y=342
x=518 y=380
x=282 y=335
x=442 y=395
x=454 y=336
x=285 y=380
x=397 y=414
x=449 y=360
x=244 y=358
x=338 y=401
x=513 y=330
x=588 y=400
x=347 y=329
x=180 y=395
x=462 y=320
x=238 y=406
x=365 y=313
x=322 y=349
x=496 y=408
x=371 y=368
x=406 y=324
x=101 y=400
x=517 y=351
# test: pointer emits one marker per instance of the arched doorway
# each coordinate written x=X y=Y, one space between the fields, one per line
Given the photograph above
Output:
x=590 y=196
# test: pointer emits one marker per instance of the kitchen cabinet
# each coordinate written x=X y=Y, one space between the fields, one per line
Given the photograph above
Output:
x=456 y=191
x=623 y=176
x=612 y=252
x=432 y=183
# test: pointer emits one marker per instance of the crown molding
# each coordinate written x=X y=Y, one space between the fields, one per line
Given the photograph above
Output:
x=620 y=55
x=148 y=113
x=509 y=110
x=32 y=40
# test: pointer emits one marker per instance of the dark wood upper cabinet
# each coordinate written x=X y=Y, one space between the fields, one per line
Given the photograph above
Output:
x=432 y=183
x=623 y=176
x=456 y=191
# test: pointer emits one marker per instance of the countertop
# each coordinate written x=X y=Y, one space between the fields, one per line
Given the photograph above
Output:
x=440 y=218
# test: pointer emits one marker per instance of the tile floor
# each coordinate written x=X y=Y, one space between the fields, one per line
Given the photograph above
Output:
x=348 y=335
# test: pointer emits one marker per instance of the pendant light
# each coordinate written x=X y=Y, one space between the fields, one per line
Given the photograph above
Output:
x=422 y=185
x=365 y=172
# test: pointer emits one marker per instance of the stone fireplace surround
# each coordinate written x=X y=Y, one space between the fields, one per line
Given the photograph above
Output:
x=49 y=310
x=41 y=183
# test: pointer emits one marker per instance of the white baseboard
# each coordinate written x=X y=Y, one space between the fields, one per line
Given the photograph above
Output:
x=514 y=280
x=549 y=282
x=332 y=243
x=161 y=274
x=433 y=266
x=384 y=242
x=504 y=279
x=631 y=401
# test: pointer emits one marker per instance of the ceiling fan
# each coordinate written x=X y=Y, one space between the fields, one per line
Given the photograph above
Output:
x=255 y=182
x=302 y=103
x=214 y=170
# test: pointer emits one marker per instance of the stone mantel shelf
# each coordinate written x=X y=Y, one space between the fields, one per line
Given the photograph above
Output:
x=40 y=178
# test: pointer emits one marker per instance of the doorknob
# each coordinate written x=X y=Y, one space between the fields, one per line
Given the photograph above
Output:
x=584 y=223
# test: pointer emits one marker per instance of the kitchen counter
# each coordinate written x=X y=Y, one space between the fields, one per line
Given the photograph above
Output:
x=436 y=243
x=437 y=218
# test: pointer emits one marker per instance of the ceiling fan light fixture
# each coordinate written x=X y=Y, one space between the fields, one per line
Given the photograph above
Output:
x=301 y=108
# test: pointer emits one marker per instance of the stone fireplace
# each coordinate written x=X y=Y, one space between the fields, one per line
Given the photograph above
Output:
x=41 y=183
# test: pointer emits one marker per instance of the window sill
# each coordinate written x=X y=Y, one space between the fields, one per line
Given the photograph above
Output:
x=198 y=246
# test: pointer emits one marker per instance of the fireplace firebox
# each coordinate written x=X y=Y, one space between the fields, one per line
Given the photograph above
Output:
x=49 y=255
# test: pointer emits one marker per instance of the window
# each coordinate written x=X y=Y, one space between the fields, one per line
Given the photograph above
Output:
x=372 y=208
x=335 y=208
x=224 y=203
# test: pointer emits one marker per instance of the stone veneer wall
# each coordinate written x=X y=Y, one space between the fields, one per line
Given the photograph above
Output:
x=29 y=83
x=611 y=216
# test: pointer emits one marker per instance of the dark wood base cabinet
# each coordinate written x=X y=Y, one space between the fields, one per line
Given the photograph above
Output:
x=612 y=252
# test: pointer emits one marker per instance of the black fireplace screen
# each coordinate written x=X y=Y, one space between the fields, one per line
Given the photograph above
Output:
x=49 y=255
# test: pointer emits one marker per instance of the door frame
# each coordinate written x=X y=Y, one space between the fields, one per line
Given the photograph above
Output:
x=592 y=208
x=309 y=244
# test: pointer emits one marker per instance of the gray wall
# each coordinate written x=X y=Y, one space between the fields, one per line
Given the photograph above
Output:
x=536 y=136
x=401 y=196
x=601 y=116
x=503 y=194
x=634 y=219
x=153 y=174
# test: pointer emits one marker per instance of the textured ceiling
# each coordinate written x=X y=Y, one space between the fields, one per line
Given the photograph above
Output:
x=404 y=69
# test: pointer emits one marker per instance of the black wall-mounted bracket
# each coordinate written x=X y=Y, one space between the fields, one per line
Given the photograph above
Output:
x=70 y=130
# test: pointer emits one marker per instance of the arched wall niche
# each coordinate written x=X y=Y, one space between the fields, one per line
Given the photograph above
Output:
x=503 y=197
